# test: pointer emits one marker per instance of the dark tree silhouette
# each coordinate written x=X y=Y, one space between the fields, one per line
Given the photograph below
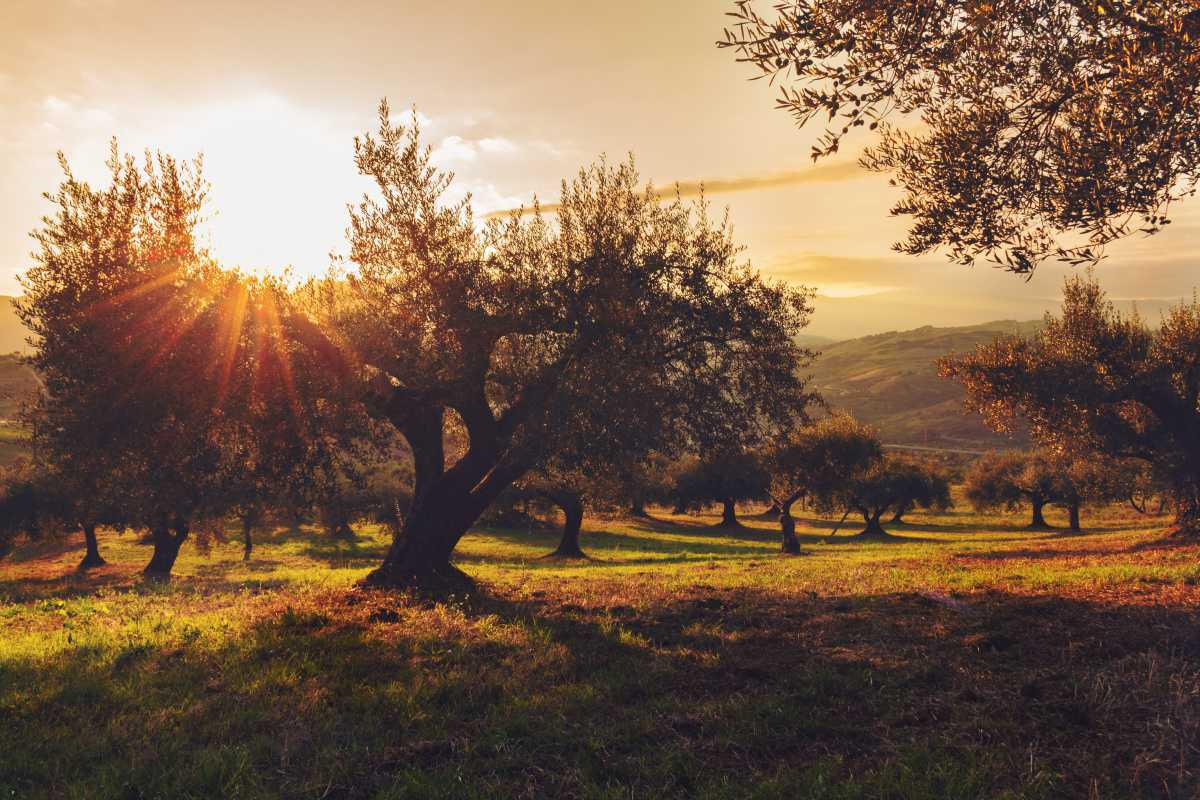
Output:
x=1012 y=478
x=509 y=329
x=1047 y=127
x=884 y=486
x=923 y=484
x=1094 y=380
x=727 y=478
x=815 y=460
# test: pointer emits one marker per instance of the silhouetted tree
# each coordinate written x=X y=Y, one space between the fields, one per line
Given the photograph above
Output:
x=1048 y=127
x=924 y=484
x=725 y=478
x=510 y=328
x=1094 y=380
x=884 y=486
x=117 y=299
x=1012 y=478
x=815 y=460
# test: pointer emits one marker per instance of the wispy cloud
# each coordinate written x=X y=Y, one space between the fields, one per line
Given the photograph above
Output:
x=829 y=173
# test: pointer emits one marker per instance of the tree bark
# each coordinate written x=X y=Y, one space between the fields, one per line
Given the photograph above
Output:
x=729 y=518
x=901 y=510
x=166 y=550
x=571 y=504
x=637 y=508
x=791 y=545
x=1187 y=515
x=248 y=538
x=1039 y=520
x=874 y=529
x=1073 y=512
x=92 y=556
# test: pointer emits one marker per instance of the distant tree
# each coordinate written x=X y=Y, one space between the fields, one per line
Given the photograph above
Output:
x=21 y=494
x=644 y=481
x=924 y=484
x=885 y=486
x=1012 y=478
x=1048 y=127
x=724 y=478
x=1096 y=381
x=1086 y=479
x=511 y=328
x=815 y=460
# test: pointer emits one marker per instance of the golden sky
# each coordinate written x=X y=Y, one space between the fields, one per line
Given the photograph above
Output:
x=515 y=96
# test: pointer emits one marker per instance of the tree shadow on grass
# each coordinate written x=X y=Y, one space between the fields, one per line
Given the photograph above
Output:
x=723 y=694
x=602 y=544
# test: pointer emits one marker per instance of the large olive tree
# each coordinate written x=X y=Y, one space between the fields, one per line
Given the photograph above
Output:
x=513 y=327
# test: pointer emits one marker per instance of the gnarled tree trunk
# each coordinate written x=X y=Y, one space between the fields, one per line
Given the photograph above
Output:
x=571 y=503
x=637 y=508
x=791 y=545
x=729 y=518
x=446 y=502
x=1039 y=520
x=247 y=538
x=1073 y=514
x=901 y=510
x=166 y=550
x=1187 y=514
x=874 y=529
x=91 y=558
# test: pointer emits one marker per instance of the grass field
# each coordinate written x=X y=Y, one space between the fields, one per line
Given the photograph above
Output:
x=970 y=659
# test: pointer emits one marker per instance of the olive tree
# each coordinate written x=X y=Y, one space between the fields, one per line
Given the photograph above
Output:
x=1047 y=128
x=1096 y=381
x=513 y=327
x=815 y=460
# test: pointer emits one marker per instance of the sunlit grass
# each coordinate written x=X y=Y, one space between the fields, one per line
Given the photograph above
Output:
x=969 y=658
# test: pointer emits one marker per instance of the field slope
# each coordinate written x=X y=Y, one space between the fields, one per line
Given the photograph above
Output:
x=890 y=380
x=969 y=659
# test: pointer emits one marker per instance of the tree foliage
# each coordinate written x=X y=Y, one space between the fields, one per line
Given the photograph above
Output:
x=727 y=478
x=1096 y=381
x=1018 y=129
x=814 y=460
x=621 y=306
x=174 y=392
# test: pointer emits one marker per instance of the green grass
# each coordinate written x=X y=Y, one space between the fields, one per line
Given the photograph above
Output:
x=969 y=659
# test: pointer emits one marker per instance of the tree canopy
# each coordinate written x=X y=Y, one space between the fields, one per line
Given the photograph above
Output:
x=1095 y=380
x=624 y=304
x=1017 y=129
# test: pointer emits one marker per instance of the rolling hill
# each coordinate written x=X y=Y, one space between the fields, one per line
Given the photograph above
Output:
x=890 y=380
x=12 y=332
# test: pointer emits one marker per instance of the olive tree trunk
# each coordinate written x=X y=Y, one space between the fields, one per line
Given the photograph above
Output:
x=571 y=503
x=1038 y=504
x=791 y=545
x=166 y=550
x=729 y=518
x=446 y=502
x=1073 y=513
x=91 y=558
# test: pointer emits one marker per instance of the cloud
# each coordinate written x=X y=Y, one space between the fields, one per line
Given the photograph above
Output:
x=457 y=150
x=498 y=145
x=829 y=173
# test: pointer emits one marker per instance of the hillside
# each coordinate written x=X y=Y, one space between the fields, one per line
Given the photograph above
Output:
x=12 y=332
x=890 y=380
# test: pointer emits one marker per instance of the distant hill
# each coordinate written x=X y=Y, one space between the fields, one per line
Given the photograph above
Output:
x=12 y=332
x=17 y=383
x=814 y=342
x=890 y=381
